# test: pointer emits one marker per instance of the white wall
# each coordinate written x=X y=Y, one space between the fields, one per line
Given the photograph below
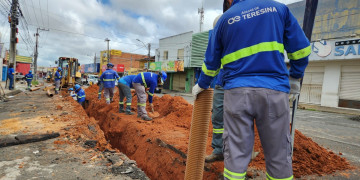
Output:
x=172 y=44
x=331 y=85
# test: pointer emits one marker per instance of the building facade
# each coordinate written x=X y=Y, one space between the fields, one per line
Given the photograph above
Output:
x=173 y=55
x=332 y=77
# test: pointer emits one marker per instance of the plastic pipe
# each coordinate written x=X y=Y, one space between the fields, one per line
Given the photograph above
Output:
x=198 y=135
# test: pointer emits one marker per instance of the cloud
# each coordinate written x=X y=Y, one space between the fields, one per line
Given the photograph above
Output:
x=77 y=28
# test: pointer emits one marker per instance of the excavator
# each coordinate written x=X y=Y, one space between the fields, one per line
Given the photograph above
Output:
x=70 y=71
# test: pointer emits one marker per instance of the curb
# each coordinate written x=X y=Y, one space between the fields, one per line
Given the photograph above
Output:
x=339 y=110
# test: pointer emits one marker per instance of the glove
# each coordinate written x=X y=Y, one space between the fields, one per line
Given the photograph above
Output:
x=152 y=107
x=196 y=90
x=294 y=88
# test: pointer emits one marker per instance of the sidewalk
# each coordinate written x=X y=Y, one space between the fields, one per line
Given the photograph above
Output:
x=20 y=86
x=80 y=152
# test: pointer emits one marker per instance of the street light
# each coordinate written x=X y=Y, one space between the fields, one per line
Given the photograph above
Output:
x=108 y=53
x=148 y=51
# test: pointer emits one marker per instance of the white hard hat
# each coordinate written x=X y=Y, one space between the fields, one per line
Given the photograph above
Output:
x=216 y=20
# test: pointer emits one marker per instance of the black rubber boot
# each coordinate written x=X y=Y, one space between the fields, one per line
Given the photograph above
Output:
x=128 y=110
x=121 y=108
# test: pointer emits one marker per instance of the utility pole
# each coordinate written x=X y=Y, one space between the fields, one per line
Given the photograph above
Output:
x=14 y=21
x=148 y=63
x=36 y=50
x=108 y=52
x=201 y=12
x=95 y=64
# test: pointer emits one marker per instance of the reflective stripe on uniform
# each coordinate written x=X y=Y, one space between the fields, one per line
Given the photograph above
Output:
x=81 y=96
x=56 y=89
x=28 y=78
x=141 y=104
x=128 y=104
x=234 y=176
x=99 y=92
x=218 y=131
x=107 y=99
x=121 y=102
x=151 y=94
x=254 y=49
x=299 y=54
x=108 y=79
x=143 y=78
x=268 y=177
x=211 y=73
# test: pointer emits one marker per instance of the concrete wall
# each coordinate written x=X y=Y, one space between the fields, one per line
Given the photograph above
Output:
x=334 y=18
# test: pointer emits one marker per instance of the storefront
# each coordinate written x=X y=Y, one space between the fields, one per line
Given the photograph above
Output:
x=332 y=77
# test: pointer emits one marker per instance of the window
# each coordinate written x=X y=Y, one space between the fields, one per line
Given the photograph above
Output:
x=180 y=54
x=166 y=55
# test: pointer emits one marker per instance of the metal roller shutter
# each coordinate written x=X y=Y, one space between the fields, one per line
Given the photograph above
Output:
x=312 y=85
x=179 y=80
x=350 y=83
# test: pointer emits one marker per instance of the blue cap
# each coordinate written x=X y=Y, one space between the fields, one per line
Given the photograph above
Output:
x=70 y=89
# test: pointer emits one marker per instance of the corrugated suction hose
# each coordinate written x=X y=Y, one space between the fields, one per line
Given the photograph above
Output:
x=198 y=135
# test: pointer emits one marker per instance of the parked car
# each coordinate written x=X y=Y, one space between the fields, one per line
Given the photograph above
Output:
x=92 y=79
x=19 y=76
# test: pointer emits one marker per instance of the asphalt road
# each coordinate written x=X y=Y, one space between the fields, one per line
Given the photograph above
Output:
x=331 y=130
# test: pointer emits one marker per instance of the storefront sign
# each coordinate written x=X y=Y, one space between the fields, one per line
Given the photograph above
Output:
x=168 y=66
x=347 y=47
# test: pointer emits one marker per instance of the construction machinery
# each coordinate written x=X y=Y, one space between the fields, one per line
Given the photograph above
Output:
x=70 y=71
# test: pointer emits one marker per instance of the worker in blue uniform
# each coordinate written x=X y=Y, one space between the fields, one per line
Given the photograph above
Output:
x=80 y=94
x=101 y=87
x=11 y=74
x=249 y=41
x=108 y=78
x=124 y=85
x=58 y=78
x=29 y=78
x=143 y=81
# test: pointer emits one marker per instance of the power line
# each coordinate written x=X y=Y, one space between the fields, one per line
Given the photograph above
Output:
x=81 y=34
x=41 y=14
x=37 y=22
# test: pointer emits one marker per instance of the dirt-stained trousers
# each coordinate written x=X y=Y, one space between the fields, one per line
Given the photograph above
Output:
x=101 y=87
x=141 y=96
x=217 y=120
x=57 y=86
x=270 y=109
x=109 y=94
x=124 y=91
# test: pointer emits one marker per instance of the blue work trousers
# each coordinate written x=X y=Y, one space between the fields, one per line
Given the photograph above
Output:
x=11 y=84
x=217 y=120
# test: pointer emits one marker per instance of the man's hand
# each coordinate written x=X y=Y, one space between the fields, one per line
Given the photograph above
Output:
x=152 y=107
x=196 y=90
x=294 y=88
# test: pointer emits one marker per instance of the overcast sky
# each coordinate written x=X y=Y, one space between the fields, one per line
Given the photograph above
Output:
x=77 y=28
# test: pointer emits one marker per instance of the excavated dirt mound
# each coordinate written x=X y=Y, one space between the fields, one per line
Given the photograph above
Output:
x=159 y=146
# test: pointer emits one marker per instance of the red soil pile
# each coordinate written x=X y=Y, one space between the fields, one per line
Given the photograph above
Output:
x=148 y=142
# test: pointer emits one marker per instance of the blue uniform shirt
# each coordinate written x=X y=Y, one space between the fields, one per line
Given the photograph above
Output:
x=149 y=80
x=249 y=42
x=80 y=94
x=29 y=77
x=108 y=78
x=11 y=72
x=127 y=80
x=57 y=76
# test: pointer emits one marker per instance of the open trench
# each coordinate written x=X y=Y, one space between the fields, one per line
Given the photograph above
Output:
x=159 y=147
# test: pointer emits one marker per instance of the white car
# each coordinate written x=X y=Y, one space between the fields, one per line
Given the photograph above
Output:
x=93 y=79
